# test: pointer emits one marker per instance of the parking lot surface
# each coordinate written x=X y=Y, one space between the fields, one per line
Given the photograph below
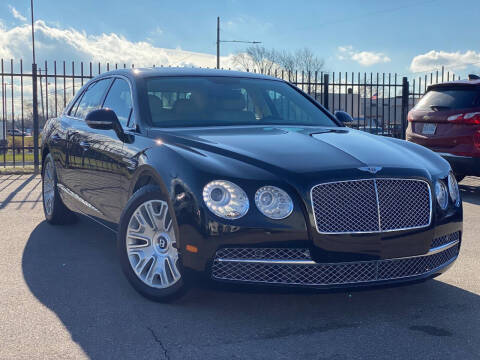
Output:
x=62 y=295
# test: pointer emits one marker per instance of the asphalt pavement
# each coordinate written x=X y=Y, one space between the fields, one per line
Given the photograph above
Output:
x=62 y=295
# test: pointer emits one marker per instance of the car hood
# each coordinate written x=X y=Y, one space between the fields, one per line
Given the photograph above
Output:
x=306 y=149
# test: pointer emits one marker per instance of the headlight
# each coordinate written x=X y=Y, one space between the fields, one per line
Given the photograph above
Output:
x=273 y=202
x=453 y=189
x=225 y=199
x=442 y=194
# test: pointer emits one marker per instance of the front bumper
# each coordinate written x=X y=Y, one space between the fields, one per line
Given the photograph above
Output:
x=295 y=267
x=463 y=165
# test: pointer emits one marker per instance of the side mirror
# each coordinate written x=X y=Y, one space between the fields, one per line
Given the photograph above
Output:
x=343 y=117
x=106 y=119
x=102 y=119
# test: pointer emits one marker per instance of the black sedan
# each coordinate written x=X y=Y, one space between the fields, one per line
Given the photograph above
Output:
x=245 y=178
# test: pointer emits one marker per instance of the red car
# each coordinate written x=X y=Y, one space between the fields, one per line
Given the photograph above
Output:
x=447 y=121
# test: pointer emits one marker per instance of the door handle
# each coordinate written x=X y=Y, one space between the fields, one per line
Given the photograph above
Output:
x=84 y=145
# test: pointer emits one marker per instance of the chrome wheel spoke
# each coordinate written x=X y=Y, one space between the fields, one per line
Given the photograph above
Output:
x=173 y=268
x=169 y=224
x=160 y=272
x=143 y=263
x=141 y=219
x=151 y=245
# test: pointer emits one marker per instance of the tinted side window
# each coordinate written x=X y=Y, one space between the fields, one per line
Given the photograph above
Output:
x=119 y=99
x=449 y=99
x=75 y=105
x=91 y=98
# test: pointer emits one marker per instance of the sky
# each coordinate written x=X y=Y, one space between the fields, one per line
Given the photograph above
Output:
x=408 y=37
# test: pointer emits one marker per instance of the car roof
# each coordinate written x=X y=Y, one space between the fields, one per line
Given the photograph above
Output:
x=455 y=83
x=182 y=71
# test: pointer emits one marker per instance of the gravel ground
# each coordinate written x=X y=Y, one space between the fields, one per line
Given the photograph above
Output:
x=62 y=295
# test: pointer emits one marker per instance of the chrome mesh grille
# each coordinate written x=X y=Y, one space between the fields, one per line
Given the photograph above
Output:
x=299 y=274
x=372 y=205
x=442 y=240
x=239 y=266
x=403 y=204
x=398 y=268
x=349 y=206
x=264 y=253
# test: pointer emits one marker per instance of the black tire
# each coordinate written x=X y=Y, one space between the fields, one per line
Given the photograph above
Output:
x=459 y=177
x=59 y=214
x=145 y=194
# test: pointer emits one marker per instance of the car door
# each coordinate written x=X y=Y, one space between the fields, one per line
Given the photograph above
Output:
x=76 y=180
x=105 y=155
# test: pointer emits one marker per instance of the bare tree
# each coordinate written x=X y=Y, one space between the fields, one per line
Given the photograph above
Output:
x=287 y=61
x=260 y=59
x=256 y=58
x=301 y=60
x=307 y=61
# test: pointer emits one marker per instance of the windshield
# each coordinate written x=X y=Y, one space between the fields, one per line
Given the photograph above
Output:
x=449 y=99
x=223 y=101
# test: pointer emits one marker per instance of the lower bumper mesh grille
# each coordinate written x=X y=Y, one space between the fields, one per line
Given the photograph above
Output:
x=306 y=272
x=443 y=240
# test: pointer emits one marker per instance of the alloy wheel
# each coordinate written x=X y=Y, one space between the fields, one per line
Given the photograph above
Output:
x=151 y=245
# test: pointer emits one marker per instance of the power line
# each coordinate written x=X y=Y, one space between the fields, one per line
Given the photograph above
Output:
x=228 y=41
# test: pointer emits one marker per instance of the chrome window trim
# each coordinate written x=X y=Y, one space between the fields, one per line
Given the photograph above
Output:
x=378 y=206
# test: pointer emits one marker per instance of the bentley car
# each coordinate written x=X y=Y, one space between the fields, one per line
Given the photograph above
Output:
x=247 y=179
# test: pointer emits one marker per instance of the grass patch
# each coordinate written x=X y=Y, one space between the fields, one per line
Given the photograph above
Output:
x=10 y=156
x=18 y=170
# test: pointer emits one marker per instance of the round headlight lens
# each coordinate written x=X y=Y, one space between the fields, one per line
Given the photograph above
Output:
x=453 y=189
x=442 y=194
x=273 y=202
x=225 y=199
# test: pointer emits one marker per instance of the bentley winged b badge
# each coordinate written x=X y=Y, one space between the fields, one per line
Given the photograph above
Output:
x=371 y=169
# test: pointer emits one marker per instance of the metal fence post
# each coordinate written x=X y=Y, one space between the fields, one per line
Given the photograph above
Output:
x=405 y=96
x=36 y=161
x=325 y=91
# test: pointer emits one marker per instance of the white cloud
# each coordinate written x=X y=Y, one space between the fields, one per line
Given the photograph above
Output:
x=16 y=14
x=451 y=60
x=364 y=58
x=55 y=43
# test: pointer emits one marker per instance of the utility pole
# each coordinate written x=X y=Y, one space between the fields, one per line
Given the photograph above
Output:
x=218 y=42
x=36 y=162
x=228 y=41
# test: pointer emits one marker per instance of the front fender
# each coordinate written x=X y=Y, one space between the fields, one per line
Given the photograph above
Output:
x=183 y=173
